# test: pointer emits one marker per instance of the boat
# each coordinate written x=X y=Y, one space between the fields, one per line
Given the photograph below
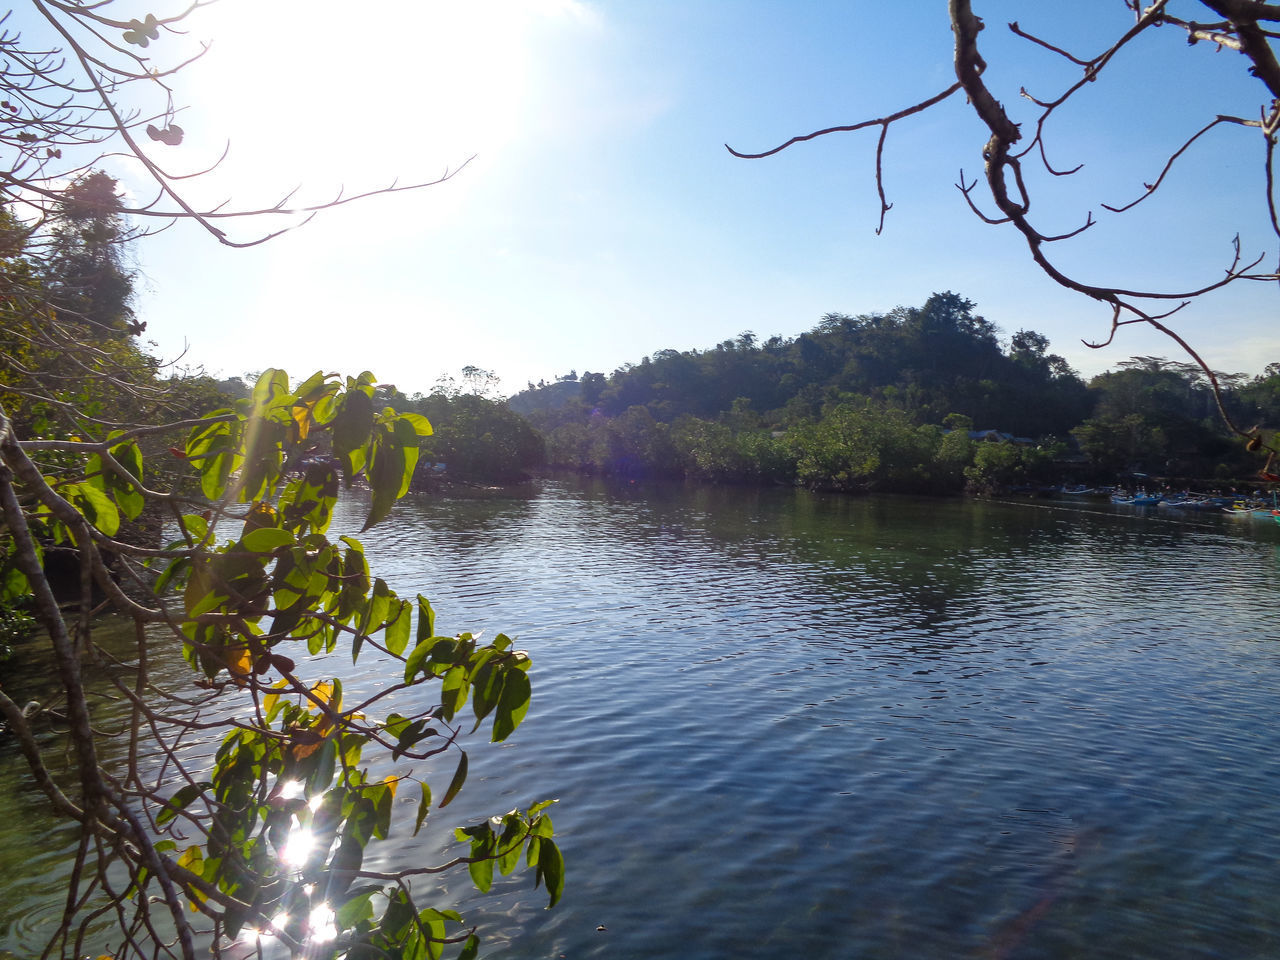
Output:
x=1137 y=500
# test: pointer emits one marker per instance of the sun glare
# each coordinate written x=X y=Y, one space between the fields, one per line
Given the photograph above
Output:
x=312 y=92
x=298 y=847
x=322 y=924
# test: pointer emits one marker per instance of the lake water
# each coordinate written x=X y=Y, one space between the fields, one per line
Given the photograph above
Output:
x=788 y=724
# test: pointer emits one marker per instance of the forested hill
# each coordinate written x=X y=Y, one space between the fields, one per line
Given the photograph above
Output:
x=905 y=400
x=925 y=362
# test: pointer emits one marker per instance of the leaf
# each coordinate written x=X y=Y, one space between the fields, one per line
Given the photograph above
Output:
x=470 y=949
x=481 y=870
x=322 y=776
x=266 y=539
x=453 y=691
x=384 y=474
x=354 y=910
x=421 y=425
x=409 y=736
x=353 y=422
x=397 y=635
x=513 y=703
x=487 y=687
x=140 y=33
x=96 y=506
x=180 y=801
x=382 y=796
x=551 y=870
x=417 y=657
x=174 y=569
x=510 y=845
x=239 y=663
x=270 y=700
x=459 y=778
x=424 y=807
x=538 y=807
x=426 y=619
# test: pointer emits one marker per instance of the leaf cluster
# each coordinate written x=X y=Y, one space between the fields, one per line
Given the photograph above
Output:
x=272 y=839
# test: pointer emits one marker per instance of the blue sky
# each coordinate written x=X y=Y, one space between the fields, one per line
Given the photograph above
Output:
x=602 y=220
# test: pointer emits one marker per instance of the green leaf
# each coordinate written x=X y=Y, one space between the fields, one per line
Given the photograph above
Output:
x=409 y=736
x=433 y=920
x=352 y=423
x=421 y=425
x=470 y=949
x=174 y=569
x=180 y=801
x=510 y=845
x=453 y=692
x=426 y=620
x=413 y=663
x=375 y=611
x=96 y=506
x=538 y=807
x=382 y=796
x=459 y=778
x=481 y=870
x=13 y=584
x=487 y=687
x=326 y=761
x=424 y=807
x=551 y=870
x=385 y=471
x=266 y=539
x=397 y=636
x=358 y=908
x=129 y=500
x=196 y=527
x=513 y=703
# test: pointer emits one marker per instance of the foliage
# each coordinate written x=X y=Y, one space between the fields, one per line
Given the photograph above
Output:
x=999 y=466
x=855 y=402
x=479 y=438
x=85 y=275
x=930 y=361
x=95 y=450
x=261 y=590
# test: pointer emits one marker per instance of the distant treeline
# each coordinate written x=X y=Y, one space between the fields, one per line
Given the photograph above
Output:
x=920 y=399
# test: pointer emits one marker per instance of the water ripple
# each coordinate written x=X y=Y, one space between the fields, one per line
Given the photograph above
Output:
x=789 y=724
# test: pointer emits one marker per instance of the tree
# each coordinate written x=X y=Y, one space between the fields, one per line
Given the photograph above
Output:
x=478 y=438
x=1011 y=148
x=262 y=587
x=86 y=275
x=183 y=857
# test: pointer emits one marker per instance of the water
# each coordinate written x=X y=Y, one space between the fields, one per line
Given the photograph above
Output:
x=786 y=724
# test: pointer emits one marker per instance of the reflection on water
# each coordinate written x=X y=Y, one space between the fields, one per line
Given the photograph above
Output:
x=791 y=724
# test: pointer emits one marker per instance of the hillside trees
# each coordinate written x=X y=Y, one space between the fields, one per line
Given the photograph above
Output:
x=1013 y=150
x=927 y=361
x=244 y=808
x=1157 y=416
x=773 y=411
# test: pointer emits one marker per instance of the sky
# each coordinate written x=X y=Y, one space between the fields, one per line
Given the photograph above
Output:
x=595 y=216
